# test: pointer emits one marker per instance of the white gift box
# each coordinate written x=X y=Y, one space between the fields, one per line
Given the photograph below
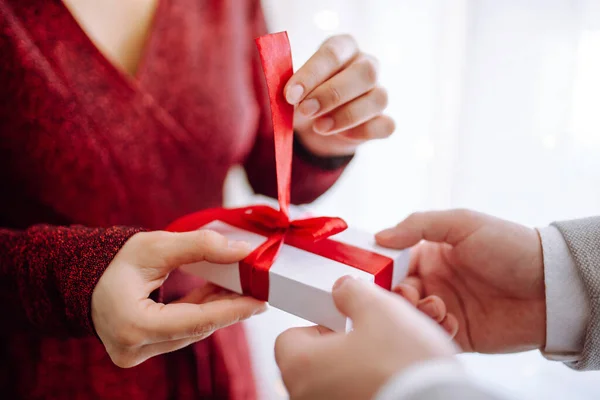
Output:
x=300 y=282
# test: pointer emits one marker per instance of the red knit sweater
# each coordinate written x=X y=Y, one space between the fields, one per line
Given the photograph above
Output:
x=87 y=153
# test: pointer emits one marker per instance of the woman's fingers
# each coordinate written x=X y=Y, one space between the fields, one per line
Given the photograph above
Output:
x=379 y=127
x=181 y=320
x=155 y=349
x=335 y=53
x=205 y=294
x=126 y=319
x=158 y=253
x=202 y=245
x=359 y=78
x=135 y=356
x=165 y=328
x=353 y=114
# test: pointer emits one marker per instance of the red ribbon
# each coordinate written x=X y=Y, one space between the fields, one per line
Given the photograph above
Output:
x=307 y=234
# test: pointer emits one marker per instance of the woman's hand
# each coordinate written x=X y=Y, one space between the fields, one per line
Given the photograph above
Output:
x=481 y=275
x=389 y=335
x=133 y=327
x=339 y=104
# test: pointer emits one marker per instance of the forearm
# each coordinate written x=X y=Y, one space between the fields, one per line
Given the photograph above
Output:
x=48 y=274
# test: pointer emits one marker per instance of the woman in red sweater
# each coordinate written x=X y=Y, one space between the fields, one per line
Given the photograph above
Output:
x=122 y=114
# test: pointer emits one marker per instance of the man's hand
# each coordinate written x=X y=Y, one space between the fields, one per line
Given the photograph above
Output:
x=487 y=272
x=389 y=335
x=339 y=104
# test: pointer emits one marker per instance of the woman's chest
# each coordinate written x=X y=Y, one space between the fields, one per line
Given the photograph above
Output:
x=138 y=151
x=118 y=28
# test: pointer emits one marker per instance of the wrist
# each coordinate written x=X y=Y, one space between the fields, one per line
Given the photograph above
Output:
x=308 y=155
x=539 y=333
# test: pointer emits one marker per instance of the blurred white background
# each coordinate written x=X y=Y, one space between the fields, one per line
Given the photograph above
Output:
x=497 y=105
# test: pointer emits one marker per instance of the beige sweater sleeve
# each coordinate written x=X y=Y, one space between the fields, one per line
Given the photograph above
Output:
x=583 y=239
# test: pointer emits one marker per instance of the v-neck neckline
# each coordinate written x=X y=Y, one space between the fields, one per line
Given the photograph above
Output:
x=131 y=80
x=126 y=81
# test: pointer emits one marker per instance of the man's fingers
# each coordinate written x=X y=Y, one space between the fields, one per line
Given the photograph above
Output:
x=294 y=338
x=450 y=325
x=181 y=320
x=415 y=260
x=175 y=249
x=416 y=283
x=408 y=292
x=435 y=226
x=333 y=55
x=298 y=341
x=434 y=307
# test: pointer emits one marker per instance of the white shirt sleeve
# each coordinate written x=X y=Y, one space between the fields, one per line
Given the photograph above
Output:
x=567 y=305
x=436 y=380
x=420 y=376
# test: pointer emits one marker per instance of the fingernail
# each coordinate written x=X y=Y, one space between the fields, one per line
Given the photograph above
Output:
x=428 y=307
x=261 y=310
x=294 y=94
x=323 y=125
x=239 y=245
x=340 y=282
x=386 y=234
x=400 y=290
x=447 y=327
x=309 y=107
x=450 y=325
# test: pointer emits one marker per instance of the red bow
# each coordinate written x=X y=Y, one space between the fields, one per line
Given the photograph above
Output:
x=308 y=234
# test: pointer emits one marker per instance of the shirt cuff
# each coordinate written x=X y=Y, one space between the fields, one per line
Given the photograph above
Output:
x=567 y=306
x=421 y=376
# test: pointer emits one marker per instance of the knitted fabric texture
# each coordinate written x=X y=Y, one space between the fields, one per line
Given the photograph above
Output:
x=583 y=239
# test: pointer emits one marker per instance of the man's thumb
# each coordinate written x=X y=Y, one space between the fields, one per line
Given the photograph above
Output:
x=451 y=226
x=357 y=299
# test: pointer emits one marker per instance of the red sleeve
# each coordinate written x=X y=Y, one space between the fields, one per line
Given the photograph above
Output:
x=48 y=274
x=311 y=175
